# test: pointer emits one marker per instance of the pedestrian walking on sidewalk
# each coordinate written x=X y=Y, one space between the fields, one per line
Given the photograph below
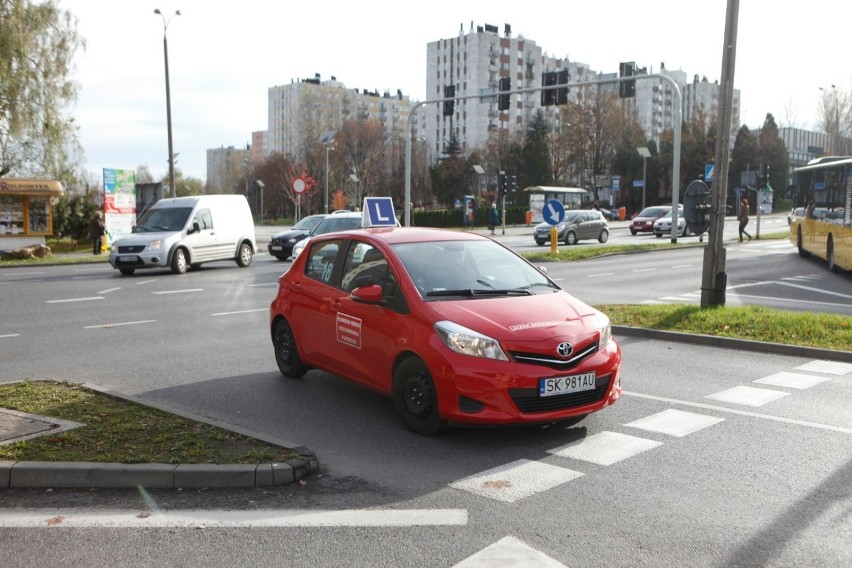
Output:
x=743 y=219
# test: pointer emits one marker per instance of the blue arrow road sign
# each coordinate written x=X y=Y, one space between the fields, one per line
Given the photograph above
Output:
x=553 y=212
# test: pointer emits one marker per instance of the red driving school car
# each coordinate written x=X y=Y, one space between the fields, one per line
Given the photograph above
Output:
x=455 y=327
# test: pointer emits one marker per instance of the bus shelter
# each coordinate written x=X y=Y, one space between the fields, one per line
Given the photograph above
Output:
x=570 y=197
x=26 y=211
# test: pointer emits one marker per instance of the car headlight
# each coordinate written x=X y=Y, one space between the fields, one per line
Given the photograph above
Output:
x=468 y=342
x=291 y=240
x=155 y=246
x=605 y=329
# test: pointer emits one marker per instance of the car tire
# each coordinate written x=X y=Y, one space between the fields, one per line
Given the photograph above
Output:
x=604 y=236
x=571 y=238
x=415 y=398
x=658 y=235
x=540 y=243
x=632 y=232
x=127 y=271
x=802 y=252
x=179 y=264
x=286 y=351
x=829 y=256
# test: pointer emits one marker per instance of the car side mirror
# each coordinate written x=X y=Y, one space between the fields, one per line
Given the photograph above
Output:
x=369 y=294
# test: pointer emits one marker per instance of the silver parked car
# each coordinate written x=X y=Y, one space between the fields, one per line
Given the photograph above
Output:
x=577 y=225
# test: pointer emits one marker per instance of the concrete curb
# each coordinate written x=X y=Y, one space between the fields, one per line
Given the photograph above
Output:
x=87 y=475
x=731 y=343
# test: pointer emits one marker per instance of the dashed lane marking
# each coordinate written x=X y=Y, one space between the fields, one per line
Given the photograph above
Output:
x=515 y=480
x=792 y=380
x=740 y=412
x=108 y=325
x=675 y=422
x=830 y=367
x=748 y=396
x=605 y=448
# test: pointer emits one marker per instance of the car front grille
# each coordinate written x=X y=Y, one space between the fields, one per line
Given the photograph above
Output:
x=131 y=249
x=548 y=360
x=529 y=401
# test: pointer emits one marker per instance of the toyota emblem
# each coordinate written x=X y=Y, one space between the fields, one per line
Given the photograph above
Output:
x=564 y=350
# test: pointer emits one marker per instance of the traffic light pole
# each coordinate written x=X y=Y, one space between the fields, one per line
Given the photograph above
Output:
x=678 y=119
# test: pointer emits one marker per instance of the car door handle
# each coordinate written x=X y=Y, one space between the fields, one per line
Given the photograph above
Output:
x=335 y=304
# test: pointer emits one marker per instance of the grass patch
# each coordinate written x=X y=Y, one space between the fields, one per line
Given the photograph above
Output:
x=757 y=323
x=120 y=431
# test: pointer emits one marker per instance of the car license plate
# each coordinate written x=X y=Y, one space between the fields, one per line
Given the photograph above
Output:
x=566 y=385
x=274 y=247
x=128 y=258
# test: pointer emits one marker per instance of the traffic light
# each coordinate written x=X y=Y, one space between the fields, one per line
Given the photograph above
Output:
x=548 y=97
x=449 y=106
x=503 y=100
x=513 y=184
x=763 y=176
x=627 y=89
x=562 y=92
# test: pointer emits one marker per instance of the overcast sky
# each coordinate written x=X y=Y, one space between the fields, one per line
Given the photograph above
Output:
x=224 y=56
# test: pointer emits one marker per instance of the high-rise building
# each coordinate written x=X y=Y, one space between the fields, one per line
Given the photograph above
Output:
x=222 y=163
x=301 y=112
x=474 y=64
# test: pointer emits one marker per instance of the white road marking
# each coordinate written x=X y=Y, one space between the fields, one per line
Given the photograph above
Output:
x=108 y=290
x=791 y=285
x=146 y=281
x=240 y=312
x=740 y=412
x=21 y=273
x=262 y=285
x=515 y=480
x=830 y=367
x=748 y=396
x=76 y=518
x=74 y=300
x=792 y=380
x=596 y=275
x=675 y=422
x=605 y=448
x=107 y=325
x=791 y=300
x=10 y=335
x=508 y=552
x=645 y=270
x=162 y=292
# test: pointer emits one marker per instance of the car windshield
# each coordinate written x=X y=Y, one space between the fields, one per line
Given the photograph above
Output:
x=651 y=212
x=441 y=269
x=336 y=223
x=163 y=219
x=571 y=216
x=308 y=223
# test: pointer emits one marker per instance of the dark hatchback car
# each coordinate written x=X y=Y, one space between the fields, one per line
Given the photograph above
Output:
x=281 y=244
x=644 y=221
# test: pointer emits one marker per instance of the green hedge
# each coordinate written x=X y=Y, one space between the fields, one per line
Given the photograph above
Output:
x=447 y=218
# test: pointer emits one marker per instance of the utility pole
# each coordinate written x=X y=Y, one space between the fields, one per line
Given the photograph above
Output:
x=714 y=279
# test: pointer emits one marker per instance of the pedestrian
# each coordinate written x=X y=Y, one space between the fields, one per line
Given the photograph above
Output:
x=493 y=217
x=743 y=219
x=97 y=231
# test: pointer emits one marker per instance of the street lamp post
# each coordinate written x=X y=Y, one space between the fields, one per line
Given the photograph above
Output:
x=645 y=153
x=168 y=98
x=327 y=140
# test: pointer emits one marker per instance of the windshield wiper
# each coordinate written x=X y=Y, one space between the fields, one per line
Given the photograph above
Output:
x=480 y=292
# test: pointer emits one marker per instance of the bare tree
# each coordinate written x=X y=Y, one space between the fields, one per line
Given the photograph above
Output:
x=835 y=118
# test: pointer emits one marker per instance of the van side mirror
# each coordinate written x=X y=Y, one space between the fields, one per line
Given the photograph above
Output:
x=196 y=228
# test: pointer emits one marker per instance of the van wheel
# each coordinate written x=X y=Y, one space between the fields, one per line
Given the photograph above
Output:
x=286 y=352
x=179 y=263
x=415 y=398
x=127 y=271
x=244 y=255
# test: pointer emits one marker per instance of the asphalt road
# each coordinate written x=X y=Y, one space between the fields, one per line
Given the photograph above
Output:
x=711 y=458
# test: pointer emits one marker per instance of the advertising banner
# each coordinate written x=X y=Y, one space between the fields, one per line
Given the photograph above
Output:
x=119 y=201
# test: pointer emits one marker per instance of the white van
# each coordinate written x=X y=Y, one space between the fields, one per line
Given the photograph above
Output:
x=187 y=231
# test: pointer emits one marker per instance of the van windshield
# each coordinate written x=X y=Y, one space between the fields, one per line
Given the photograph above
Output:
x=164 y=219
